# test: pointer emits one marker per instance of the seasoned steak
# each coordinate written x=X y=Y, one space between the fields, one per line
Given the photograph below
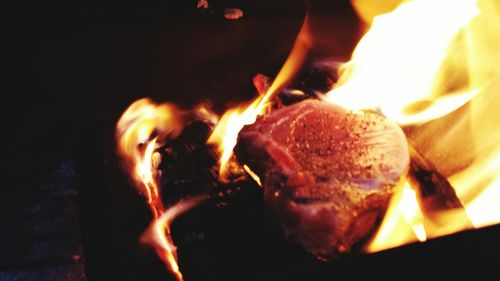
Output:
x=328 y=173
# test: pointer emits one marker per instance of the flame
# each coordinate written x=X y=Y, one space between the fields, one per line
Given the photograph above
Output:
x=253 y=175
x=225 y=135
x=395 y=65
x=226 y=132
x=136 y=143
x=367 y=10
x=138 y=134
x=433 y=66
x=159 y=236
x=404 y=225
x=144 y=123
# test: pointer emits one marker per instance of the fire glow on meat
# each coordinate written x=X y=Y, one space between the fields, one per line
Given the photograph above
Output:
x=233 y=120
x=419 y=63
x=431 y=66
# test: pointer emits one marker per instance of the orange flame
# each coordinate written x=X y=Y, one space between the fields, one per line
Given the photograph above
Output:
x=159 y=236
x=134 y=131
x=138 y=133
x=143 y=118
x=431 y=65
x=253 y=175
x=233 y=120
x=395 y=65
x=403 y=225
x=416 y=65
x=226 y=132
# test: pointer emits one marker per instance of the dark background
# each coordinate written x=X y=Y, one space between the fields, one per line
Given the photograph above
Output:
x=74 y=66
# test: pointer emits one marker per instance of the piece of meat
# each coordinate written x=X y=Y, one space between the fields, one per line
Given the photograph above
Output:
x=328 y=173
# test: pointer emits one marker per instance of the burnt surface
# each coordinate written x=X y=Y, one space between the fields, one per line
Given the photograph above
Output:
x=74 y=67
x=188 y=166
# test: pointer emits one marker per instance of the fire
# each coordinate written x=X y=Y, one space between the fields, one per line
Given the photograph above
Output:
x=225 y=134
x=253 y=175
x=422 y=62
x=158 y=235
x=139 y=132
x=136 y=143
x=432 y=66
x=395 y=65
x=404 y=225
x=144 y=124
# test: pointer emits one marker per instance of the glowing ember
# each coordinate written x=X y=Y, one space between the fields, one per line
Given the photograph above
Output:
x=202 y=4
x=253 y=175
x=233 y=13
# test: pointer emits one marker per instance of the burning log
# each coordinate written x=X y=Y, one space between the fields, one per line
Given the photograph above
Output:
x=435 y=193
x=189 y=168
x=434 y=189
x=188 y=165
x=328 y=173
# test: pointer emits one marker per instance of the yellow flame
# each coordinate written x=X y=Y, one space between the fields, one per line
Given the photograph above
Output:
x=233 y=120
x=478 y=185
x=409 y=209
x=404 y=224
x=253 y=175
x=481 y=196
x=226 y=132
x=418 y=65
x=135 y=130
x=159 y=236
x=204 y=112
x=367 y=10
x=138 y=132
x=395 y=65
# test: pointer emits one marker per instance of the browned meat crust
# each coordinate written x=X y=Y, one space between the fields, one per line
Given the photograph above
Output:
x=328 y=173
